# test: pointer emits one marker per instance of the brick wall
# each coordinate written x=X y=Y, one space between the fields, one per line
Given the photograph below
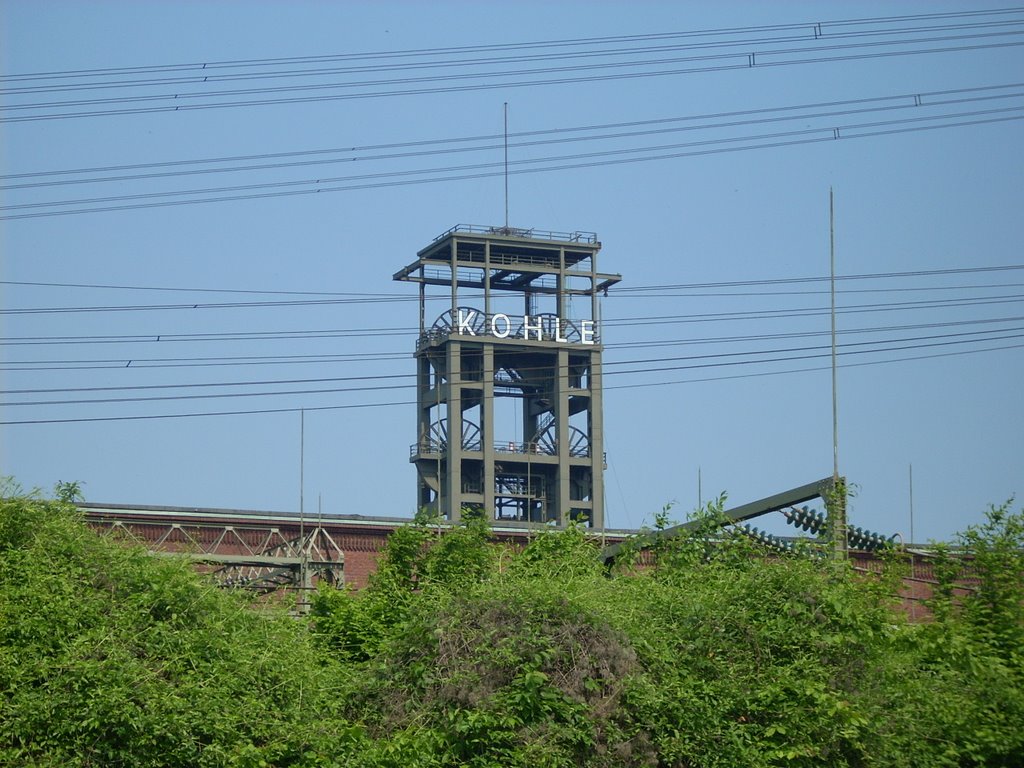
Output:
x=360 y=539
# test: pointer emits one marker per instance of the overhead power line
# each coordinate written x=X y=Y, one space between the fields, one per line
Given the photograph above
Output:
x=519 y=140
x=877 y=345
x=817 y=279
x=570 y=61
x=641 y=320
x=346 y=406
x=598 y=158
x=381 y=356
x=616 y=291
x=761 y=374
x=805 y=27
x=489 y=170
x=109 y=286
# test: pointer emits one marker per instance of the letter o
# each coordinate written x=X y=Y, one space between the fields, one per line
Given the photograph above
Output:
x=503 y=334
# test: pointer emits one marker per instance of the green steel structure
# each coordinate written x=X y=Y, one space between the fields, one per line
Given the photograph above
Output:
x=509 y=412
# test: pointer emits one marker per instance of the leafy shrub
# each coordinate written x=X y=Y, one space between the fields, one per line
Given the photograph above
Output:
x=714 y=653
x=110 y=656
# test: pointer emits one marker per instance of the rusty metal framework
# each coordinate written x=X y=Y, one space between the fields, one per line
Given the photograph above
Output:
x=256 y=555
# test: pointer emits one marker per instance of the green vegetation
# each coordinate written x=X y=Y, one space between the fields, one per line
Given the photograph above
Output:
x=112 y=657
x=463 y=652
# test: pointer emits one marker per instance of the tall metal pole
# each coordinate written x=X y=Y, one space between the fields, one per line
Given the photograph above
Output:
x=304 y=582
x=529 y=480
x=832 y=262
x=837 y=511
x=911 y=503
x=913 y=603
x=506 y=165
x=438 y=510
x=302 y=462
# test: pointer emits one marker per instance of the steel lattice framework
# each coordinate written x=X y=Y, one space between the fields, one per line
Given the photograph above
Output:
x=258 y=555
x=509 y=392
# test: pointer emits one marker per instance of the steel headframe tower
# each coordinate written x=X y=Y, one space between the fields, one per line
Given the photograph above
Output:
x=509 y=413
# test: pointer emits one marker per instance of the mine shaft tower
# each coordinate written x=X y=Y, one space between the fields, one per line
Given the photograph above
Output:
x=509 y=412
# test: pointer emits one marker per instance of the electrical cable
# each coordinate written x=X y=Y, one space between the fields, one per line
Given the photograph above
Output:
x=192 y=362
x=362 y=332
x=107 y=286
x=616 y=291
x=297 y=409
x=763 y=116
x=528 y=165
x=824 y=278
x=796 y=34
x=817 y=368
x=930 y=341
x=406 y=86
x=797 y=138
x=371 y=298
x=815 y=28
x=398 y=331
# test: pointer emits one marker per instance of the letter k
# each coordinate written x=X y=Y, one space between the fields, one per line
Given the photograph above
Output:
x=464 y=323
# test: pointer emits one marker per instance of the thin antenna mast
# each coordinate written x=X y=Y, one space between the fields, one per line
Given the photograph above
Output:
x=506 y=165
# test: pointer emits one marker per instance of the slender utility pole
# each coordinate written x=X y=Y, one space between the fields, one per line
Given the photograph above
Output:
x=913 y=603
x=438 y=509
x=837 y=511
x=832 y=263
x=529 y=473
x=302 y=486
x=911 y=503
x=302 y=462
x=303 y=605
x=604 y=506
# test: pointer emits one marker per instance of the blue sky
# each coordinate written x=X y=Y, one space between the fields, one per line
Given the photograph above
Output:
x=718 y=340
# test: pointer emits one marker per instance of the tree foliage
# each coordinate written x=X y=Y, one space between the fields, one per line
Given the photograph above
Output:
x=463 y=652
x=113 y=657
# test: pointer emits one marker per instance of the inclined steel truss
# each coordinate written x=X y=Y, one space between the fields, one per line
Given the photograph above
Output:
x=831 y=491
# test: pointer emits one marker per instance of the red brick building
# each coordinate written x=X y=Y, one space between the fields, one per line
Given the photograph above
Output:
x=266 y=550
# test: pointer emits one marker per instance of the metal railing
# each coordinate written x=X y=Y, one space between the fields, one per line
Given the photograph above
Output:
x=540 y=449
x=533 y=234
x=445 y=275
x=432 y=446
x=435 y=447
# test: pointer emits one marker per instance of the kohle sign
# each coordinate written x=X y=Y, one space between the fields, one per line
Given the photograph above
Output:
x=470 y=322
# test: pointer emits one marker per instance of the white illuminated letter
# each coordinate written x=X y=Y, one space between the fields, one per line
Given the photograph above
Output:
x=464 y=323
x=527 y=327
x=502 y=334
x=558 y=330
x=587 y=331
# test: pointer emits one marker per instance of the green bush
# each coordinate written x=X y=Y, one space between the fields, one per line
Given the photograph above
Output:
x=113 y=657
x=462 y=652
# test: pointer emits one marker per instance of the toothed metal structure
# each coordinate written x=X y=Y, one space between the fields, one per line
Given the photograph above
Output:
x=508 y=359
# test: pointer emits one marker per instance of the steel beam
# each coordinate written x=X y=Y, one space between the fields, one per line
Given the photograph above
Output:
x=820 y=489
